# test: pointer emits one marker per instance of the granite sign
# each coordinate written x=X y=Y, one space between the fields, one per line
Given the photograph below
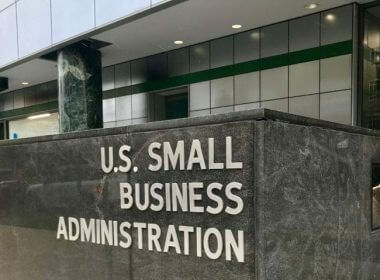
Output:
x=182 y=197
x=253 y=195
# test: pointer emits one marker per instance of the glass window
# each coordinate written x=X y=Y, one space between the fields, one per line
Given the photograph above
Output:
x=109 y=110
x=200 y=113
x=139 y=71
x=247 y=88
x=18 y=99
x=247 y=46
x=222 y=52
x=307 y=106
x=2 y=130
x=46 y=92
x=139 y=106
x=336 y=25
x=336 y=73
x=274 y=83
x=157 y=66
x=370 y=116
x=336 y=107
x=222 y=92
x=277 y=105
x=304 y=33
x=6 y=99
x=248 y=106
x=23 y=128
x=178 y=62
x=200 y=57
x=108 y=78
x=200 y=96
x=304 y=78
x=274 y=39
x=375 y=196
x=124 y=108
x=222 y=110
x=122 y=75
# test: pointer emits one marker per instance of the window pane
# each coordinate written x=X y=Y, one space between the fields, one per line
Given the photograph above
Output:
x=336 y=73
x=222 y=92
x=222 y=110
x=200 y=57
x=304 y=33
x=274 y=83
x=139 y=71
x=122 y=75
x=157 y=66
x=222 y=52
x=247 y=46
x=178 y=62
x=7 y=100
x=200 y=113
x=200 y=96
x=304 y=78
x=139 y=106
x=109 y=110
x=124 y=108
x=336 y=107
x=307 y=106
x=108 y=78
x=336 y=25
x=29 y=96
x=18 y=99
x=375 y=196
x=274 y=39
x=277 y=105
x=247 y=88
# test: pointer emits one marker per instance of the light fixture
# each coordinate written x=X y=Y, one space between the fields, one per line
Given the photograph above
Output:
x=330 y=17
x=311 y=6
x=178 y=42
x=237 y=26
x=35 y=117
x=25 y=83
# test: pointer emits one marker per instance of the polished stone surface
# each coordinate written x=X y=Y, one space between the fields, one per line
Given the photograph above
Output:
x=44 y=180
x=80 y=88
x=306 y=189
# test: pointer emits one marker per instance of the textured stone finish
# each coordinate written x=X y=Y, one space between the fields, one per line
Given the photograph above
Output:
x=306 y=193
x=80 y=88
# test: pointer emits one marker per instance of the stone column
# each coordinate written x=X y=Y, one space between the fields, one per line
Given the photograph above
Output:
x=80 y=88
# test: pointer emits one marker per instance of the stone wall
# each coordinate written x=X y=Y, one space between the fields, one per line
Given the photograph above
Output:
x=305 y=191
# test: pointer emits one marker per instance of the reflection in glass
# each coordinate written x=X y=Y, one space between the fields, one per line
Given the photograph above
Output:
x=375 y=196
x=371 y=70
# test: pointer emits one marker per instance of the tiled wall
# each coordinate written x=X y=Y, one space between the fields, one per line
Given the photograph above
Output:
x=32 y=25
x=318 y=88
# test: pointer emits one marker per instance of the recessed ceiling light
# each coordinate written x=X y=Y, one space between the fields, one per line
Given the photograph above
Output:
x=178 y=42
x=25 y=83
x=39 y=116
x=330 y=17
x=237 y=26
x=311 y=6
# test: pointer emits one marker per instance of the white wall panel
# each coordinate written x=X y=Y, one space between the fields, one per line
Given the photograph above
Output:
x=8 y=35
x=34 y=25
x=107 y=10
x=71 y=17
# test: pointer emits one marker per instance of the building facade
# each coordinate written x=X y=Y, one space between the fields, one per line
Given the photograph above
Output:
x=160 y=61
